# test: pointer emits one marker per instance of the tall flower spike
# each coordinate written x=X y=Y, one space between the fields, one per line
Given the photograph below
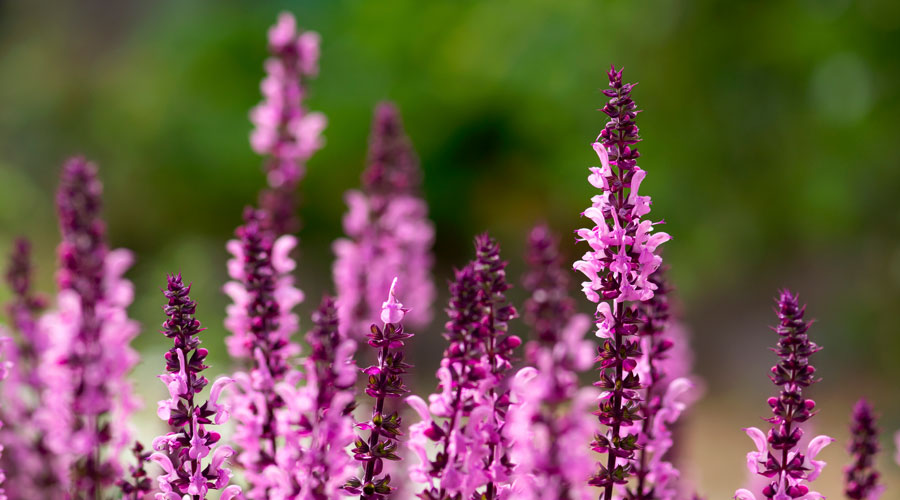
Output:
x=284 y=131
x=181 y=453
x=388 y=232
x=87 y=398
x=861 y=478
x=318 y=414
x=472 y=402
x=778 y=456
x=550 y=420
x=622 y=256
x=385 y=381
x=262 y=322
x=30 y=467
x=666 y=394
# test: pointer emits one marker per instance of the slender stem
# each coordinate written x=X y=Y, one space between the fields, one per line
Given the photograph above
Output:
x=376 y=411
x=617 y=403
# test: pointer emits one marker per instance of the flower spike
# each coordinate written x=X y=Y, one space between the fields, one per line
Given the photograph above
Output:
x=778 y=457
x=623 y=254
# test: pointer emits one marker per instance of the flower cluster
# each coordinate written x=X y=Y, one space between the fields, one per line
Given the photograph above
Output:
x=388 y=232
x=4 y=373
x=139 y=484
x=666 y=394
x=29 y=465
x=316 y=416
x=788 y=470
x=622 y=256
x=861 y=478
x=261 y=322
x=87 y=398
x=181 y=452
x=472 y=451
x=485 y=434
x=385 y=381
x=284 y=130
x=550 y=418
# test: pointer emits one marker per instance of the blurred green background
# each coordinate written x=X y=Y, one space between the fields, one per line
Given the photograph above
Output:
x=771 y=143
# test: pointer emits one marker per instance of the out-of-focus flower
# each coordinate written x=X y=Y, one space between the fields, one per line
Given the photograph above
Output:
x=261 y=322
x=860 y=477
x=388 y=233
x=31 y=468
x=315 y=419
x=86 y=397
x=467 y=416
x=550 y=418
x=138 y=484
x=284 y=131
x=667 y=392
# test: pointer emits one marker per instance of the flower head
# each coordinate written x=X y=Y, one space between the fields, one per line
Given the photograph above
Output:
x=284 y=130
x=466 y=417
x=550 y=419
x=262 y=323
x=623 y=254
x=860 y=477
x=87 y=397
x=778 y=457
x=388 y=233
x=181 y=453
x=385 y=381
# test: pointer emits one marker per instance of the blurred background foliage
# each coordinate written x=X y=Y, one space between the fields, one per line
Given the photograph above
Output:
x=771 y=142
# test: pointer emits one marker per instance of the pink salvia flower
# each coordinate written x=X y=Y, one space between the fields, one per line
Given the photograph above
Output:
x=5 y=367
x=667 y=393
x=284 y=131
x=466 y=418
x=861 y=479
x=31 y=468
x=139 y=484
x=388 y=233
x=385 y=381
x=261 y=322
x=87 y=398
x=181 y=453
x=550 y=417
x=316 y=418
x=622 y=256
x=788 y=470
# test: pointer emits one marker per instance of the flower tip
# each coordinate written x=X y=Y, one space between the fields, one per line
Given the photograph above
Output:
x=392 y=311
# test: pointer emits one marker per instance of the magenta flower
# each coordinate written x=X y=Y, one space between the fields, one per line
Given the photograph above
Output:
x=262 y=322
x=284 y=131
x=472 y=451
x=138 y=484
x=181 y=453
x=666 y=394
x=778 y=457
x=31 y=468
x=550 y=418
x=87 y=399
x=5 y=366
x=622 y=256
x=860 y=477
x=316 y=419
x=388 y=233
x=385 y=381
